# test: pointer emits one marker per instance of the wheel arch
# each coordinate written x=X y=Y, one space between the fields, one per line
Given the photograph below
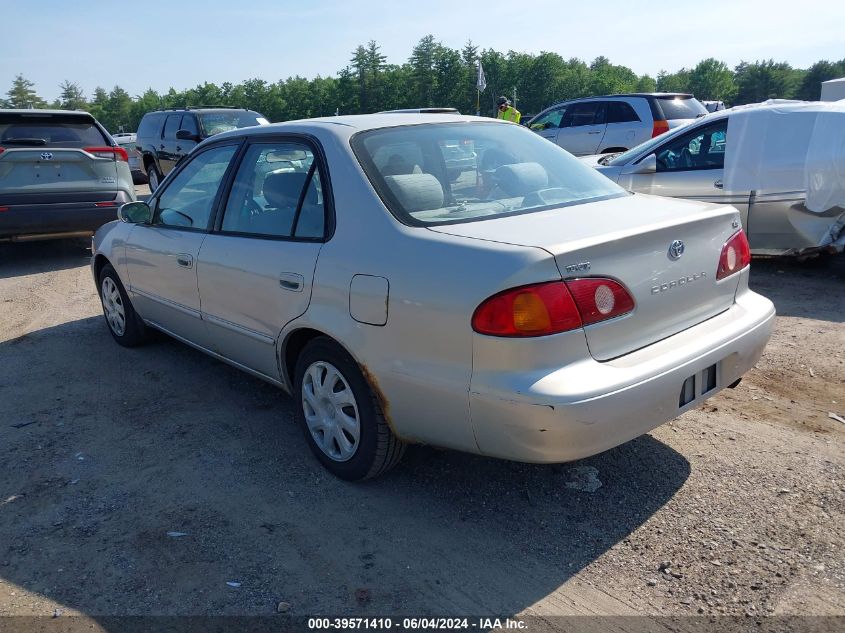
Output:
x=100 y=262
x=608 y=150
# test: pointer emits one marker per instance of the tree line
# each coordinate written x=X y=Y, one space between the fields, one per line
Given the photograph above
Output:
x=436 y=75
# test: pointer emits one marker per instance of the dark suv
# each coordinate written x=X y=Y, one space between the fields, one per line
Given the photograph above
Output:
x=165 y=136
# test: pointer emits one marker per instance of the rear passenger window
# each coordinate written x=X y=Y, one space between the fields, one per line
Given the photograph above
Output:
x=189 y=123
x=277 y=192
x=172 y=125
x=620 y=112
x=590 y=113
x=150 y=126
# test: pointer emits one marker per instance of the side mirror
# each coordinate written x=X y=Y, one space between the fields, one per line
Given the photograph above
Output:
x=185 y=135
x=135 y=213
x=647 y=165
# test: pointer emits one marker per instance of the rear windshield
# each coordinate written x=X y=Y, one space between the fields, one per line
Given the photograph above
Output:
x=38 y=130
x=216 y=122
x=448 y=173
x=680 y=107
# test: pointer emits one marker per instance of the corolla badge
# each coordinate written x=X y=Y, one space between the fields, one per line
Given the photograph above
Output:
x=46 y=155
x=676 y=249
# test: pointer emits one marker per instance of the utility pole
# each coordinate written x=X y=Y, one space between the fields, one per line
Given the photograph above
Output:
x=514 y=96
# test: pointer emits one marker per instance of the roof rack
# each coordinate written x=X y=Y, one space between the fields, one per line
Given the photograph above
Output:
x=201 y=107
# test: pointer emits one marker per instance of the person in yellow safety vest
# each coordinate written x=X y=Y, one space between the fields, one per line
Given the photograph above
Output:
x=506 y=111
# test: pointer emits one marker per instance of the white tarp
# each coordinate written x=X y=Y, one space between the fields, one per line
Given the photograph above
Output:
x=785 y=146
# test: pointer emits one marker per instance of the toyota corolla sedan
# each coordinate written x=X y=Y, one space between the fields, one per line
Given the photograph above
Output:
x=527 y=309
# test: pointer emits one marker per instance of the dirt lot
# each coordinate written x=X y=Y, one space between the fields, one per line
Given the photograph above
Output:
x=737 y=507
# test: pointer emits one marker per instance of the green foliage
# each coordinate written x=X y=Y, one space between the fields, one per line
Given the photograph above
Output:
x=764 y=80
x=436 y=75
x=23 y=95
x=712 y=80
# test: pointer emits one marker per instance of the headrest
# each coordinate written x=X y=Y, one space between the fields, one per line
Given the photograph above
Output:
x=519 y=179
x=416 y=192
x=283 y=188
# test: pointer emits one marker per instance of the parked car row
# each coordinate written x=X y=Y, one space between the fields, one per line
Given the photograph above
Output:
x=689 y=163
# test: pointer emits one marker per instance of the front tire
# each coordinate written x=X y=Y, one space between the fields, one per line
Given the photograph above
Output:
x=343 y=420
x=123 y=322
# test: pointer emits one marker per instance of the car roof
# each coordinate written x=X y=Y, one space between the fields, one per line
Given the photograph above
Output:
x=44 y=111
x=348 y=125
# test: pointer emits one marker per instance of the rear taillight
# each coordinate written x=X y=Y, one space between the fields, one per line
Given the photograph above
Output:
x=599 y=299
x=117 y=153
x=659 y=128
x=105 y=204
x=534 y=310
x=736 y=255
x=3 y=209
x=550 y=308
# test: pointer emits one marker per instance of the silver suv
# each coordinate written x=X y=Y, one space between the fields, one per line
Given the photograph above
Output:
x=61 y=175
x=614 y=123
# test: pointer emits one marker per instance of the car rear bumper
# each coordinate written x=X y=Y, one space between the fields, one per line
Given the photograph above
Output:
x=588 y=406
x=57 y=219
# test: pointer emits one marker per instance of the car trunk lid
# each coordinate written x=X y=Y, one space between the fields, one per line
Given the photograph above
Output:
x=629 y=239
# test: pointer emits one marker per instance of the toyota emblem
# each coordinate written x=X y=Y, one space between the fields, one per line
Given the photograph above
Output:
x=676 y=249
x=46 y=155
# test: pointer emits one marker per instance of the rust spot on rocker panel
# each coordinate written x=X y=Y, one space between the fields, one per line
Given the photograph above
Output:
x=384 y=403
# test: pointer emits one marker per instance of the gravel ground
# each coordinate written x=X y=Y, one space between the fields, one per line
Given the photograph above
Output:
x=160 y=481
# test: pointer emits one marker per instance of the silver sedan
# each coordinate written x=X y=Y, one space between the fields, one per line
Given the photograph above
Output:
x=523 y=307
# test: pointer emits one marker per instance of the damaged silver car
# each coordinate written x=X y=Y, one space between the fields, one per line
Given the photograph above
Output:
x=527 y=308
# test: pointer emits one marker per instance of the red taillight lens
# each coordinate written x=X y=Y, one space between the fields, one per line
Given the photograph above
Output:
x=736 y=255
x=659 y=128
x=552 y=307
x=117 y=153
x=534 y=310
x=599 y=299
x=105 y=204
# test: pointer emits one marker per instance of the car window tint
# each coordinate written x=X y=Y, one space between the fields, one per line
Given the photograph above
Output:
x=268 y=189
x=703 y=148
x=150 y=125
x=312 y=217
x=448 y=173
x=590 y=113
x=172 y=125
x=49 y=131
x=675 y=108
x=189 y=123
x=188 y=199
x=549 y=120
x=225 y=120
x=620 y=112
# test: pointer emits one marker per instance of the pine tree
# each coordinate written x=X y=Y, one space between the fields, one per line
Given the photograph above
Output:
x=23 y=95
x=72 y=97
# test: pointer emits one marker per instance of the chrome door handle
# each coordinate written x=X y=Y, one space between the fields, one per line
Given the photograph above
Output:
x=596 y=132
x=185 y=260
x=292 y=281
x=718 y=184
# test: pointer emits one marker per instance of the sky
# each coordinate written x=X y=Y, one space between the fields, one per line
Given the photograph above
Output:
x=182 y=43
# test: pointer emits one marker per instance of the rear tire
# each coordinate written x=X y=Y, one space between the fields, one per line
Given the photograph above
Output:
x=125 y=325
x=153 y=177
x=343 y=420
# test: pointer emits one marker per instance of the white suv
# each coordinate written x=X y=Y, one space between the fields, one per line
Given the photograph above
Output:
x=614 y=123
